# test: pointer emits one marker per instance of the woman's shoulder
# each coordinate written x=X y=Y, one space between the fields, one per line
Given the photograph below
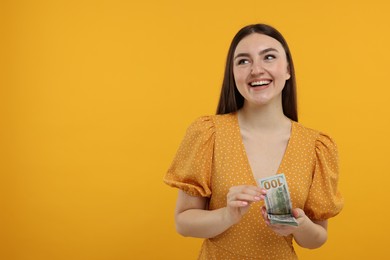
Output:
x=320 y=138
x=214 y=121
x=305 y=131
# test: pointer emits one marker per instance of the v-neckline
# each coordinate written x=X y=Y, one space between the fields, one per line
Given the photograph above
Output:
x=244 y=153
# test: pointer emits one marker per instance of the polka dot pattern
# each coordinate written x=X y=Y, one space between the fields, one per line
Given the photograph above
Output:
x=212 y=158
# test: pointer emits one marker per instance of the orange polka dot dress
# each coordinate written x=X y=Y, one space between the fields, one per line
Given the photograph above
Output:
x=212 y=158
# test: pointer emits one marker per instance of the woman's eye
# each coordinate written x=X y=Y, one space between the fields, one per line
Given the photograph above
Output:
x=243 y=61
x=269 y=57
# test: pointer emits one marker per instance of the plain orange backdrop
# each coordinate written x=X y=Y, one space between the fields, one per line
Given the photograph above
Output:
x=95 y=97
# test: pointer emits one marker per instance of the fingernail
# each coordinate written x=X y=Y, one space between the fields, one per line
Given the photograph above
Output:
x=257 y=198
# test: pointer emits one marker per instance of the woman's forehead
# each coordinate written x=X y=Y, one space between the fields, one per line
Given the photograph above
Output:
x=258 y=42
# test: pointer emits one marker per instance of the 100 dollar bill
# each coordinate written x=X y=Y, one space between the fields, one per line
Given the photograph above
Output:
x=277 y=200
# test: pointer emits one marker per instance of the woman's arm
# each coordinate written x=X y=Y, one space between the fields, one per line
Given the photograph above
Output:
x=310 y=234
x=193 y=219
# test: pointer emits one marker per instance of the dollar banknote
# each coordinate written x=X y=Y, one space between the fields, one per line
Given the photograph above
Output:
x=277 y=201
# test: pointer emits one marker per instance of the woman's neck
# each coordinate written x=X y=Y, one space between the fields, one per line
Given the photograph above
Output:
x=267 y=118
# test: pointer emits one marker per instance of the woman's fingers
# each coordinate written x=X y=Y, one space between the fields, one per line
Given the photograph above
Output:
x=244 y=197
x=265 y=215
x=283 y=230
x=298 y=213
x=244 y=193
x=238 y=203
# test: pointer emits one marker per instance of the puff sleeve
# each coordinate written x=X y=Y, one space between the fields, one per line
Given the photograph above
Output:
x=324 y=199
x=190 y=170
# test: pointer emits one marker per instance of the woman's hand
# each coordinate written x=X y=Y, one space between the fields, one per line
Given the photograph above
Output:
x=308 y=233
x=239 y=199
x=194 y=219
x=285 y=230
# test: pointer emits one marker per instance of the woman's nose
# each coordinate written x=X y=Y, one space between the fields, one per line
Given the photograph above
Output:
x=257 y=68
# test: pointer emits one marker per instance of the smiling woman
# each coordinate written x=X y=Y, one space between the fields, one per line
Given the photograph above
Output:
x=231 y=100
x=255 y=134
x=260 y=70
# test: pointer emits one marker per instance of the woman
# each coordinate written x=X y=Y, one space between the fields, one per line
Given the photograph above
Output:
x=255 y=134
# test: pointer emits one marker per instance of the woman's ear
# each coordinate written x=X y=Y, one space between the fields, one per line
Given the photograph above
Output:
x=288 y=74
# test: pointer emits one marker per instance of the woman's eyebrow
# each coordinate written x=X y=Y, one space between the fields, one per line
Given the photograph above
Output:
x=260 y=53
x=267 y=50
x=241 y=55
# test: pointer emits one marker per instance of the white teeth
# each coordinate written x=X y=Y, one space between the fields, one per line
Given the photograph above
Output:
x=260 y=83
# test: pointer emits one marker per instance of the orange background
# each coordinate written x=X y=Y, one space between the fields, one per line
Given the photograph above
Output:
x=95 y=97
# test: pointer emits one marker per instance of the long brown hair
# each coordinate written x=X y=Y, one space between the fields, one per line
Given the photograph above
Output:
x=231 y=100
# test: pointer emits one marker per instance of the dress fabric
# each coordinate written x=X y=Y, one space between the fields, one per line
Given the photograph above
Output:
x=212 y=158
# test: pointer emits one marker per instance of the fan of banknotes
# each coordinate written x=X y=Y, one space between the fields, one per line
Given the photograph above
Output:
x=277 y=200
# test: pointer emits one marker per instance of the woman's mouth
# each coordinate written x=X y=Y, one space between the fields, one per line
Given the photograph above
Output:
x=260 y=83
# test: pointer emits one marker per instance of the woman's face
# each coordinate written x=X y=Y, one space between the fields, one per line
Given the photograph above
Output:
x=260 y=69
